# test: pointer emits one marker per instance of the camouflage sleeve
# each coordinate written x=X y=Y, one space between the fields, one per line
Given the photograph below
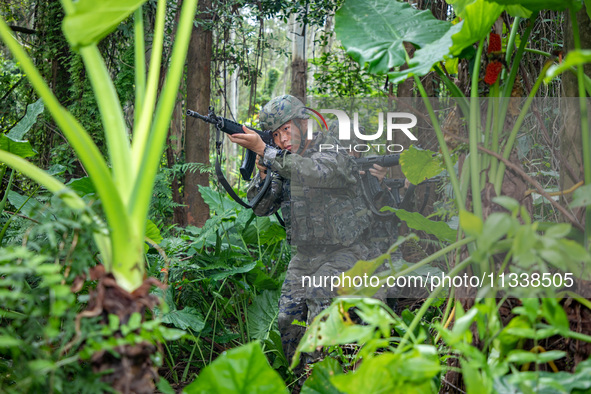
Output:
x=270 y=202
x=321 y=169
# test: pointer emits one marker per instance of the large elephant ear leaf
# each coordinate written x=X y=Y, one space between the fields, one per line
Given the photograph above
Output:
x=538 y=5
x=374 y=32
x=89 y=21
x=478 y=17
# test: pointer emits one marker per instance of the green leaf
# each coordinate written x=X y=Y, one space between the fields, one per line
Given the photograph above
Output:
x=520 y=11
x=581 y=197
x=470 y=223
x=508 y=203
x=374 y=33
x=573 y=58
x=261 y=230
x=233 y=271
x=333 y=326
x=152 y=232
x=319 y=382
x=217 y=201
x=17 y=147
x=241 y=370
x=188 y=317
x=538 y=5
x=164 y=387
x=495 y=227
x=7 y=341
x=409 y=372
x=90 y=21
x=419 y=164
x=262 y=314
x=554 y=314
x=523 y=356
x=82 y=185
x=417 y=221
x=478 y=17
x=25 y=124
x=28 y=206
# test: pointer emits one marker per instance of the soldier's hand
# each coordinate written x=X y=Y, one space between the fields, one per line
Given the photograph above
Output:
x=249 y=140
x=378 y=171
x=261 y=167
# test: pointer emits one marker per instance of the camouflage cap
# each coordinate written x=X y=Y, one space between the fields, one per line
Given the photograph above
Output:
x=280 y=110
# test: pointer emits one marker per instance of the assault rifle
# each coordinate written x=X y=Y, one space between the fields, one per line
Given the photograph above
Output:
x=376 y=196
x=365 y=163
x=230 y=127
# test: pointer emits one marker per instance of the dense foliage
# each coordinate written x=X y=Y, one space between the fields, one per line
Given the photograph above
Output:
x=512 y=194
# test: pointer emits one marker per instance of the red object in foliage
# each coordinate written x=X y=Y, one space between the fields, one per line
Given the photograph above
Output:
x=494 y=43
x=492 y=72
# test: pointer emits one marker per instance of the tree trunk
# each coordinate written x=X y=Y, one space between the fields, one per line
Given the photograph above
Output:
x=299 y=64
x=197 y=131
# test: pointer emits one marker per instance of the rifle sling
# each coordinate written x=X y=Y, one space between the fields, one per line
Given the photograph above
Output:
x=224 y=182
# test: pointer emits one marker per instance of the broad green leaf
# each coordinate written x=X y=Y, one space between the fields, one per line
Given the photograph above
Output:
x=538 y=5
x=581 y=197
x=478 y=17
x=417 y=221
x=25 y=124
x=28 y=206
x=573 y=58
x=93 y=20
x=152 y=232
x=520 y=11
x=83 y=185
x=588 y=8
x=419 y=164
x=319 y=382
x=233 y=271
x=374 y=33
x=262 y=314
x=241 y=370
x=261 y=230
x=17 y=147
x=187 y=317
x=217 y=201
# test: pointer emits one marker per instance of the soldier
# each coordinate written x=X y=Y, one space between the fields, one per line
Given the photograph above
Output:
x=321 y=204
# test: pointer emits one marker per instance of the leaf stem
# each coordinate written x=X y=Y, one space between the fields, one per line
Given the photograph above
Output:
x=585 y=139
x=442 y=144
x=475 y=134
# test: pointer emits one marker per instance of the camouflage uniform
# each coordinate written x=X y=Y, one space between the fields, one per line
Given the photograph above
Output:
x=324 y=213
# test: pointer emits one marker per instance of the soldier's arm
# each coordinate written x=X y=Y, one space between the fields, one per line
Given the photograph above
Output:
x=270 y=202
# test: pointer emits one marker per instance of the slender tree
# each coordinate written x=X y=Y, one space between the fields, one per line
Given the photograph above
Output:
x=198 y=99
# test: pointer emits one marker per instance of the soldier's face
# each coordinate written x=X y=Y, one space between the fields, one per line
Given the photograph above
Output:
x=282 y=136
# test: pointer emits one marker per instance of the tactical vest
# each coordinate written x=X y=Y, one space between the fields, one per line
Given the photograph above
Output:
x=326 y=216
